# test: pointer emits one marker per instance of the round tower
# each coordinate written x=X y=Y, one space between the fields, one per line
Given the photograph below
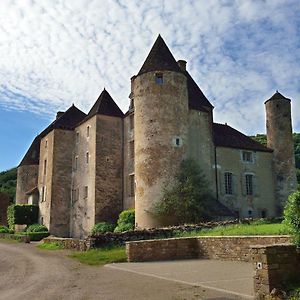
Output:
x=160 y=116
x=280 y=139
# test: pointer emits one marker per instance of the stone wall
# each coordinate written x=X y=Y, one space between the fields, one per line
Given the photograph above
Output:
x=223 y=248
x=4 y=203
x=275 y=266
x=70 y=243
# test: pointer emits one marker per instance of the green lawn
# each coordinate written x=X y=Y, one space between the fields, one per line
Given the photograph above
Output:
x=101 y=256
x=240 y=229
x=50 y=246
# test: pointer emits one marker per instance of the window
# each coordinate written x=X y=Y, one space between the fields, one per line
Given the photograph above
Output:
x=247 y=156
x=177 y=141
x=131 y=186
x=45 y=167
x=228 y=183
x=131 y=122
x=263 y=213
x=76 y=163
x=87 y=157
x=249 y=184
x=159 y=78
x=46 y=144
x=43 y=194
x=249 y=213
x=77 y=137
x=88 y=131
x=86 y=192
x=131 y=149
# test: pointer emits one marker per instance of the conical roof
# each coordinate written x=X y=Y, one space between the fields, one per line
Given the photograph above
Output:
x=105 y=105
x=278 y=96
x=159 y=58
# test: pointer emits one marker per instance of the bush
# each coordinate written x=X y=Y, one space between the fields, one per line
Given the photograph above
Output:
x=22 y=214
x=36 y=228
x=34 y=236
x=292 y=216
x=103 y=227
x=126 y=221
x=4 y=229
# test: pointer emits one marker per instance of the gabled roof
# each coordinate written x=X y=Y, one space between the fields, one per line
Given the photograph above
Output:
x=226 y=136
x=32 y=155
x=197 y=99
x=159 y=58
x=105 y=105
x=67 y=121
x=277 y=96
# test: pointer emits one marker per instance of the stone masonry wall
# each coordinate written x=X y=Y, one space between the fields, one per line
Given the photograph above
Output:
x=275 y=265
x=223 y=248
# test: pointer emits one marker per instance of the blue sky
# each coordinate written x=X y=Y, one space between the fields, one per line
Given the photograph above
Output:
x=55 y=53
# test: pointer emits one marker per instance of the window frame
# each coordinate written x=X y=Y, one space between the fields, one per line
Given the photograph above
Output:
x=228 y=183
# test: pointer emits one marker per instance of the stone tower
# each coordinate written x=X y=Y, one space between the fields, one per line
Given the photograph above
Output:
x=160 y=100
x=280 y=139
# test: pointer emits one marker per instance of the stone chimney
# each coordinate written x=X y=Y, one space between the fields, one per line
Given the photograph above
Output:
x=182 y=64
x=59 y=114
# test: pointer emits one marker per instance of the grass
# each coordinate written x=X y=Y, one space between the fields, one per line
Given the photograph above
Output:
x=50 y=246
x=240 y=229
x=96 y=257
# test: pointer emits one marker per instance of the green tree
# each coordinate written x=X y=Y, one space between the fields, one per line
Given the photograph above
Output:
x=8 y=183
x=188 y=198
x=292 y=216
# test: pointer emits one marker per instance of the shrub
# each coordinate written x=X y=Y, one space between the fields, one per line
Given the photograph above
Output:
x=126 y=220
x=22 y=214
x=36 y=228
x=34 y=236
x=103 y=227
x=4 y=229
x=292 y=216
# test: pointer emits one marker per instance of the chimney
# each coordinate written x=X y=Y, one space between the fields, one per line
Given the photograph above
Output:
x=182 y=64
x=59 y=114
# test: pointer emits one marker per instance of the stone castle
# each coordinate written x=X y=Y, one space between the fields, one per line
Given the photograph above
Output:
x=83 y=169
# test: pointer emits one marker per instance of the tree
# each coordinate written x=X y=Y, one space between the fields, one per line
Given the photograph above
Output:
x=188 y=198
x=292 y=216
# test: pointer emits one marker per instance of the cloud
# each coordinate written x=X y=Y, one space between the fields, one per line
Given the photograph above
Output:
x=55 y=53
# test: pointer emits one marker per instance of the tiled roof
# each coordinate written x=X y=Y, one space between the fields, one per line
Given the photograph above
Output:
x=105 y=105
x=159 y=58
x=226 y=136
x=278 y=96
x=197 y=99
x=68 y=121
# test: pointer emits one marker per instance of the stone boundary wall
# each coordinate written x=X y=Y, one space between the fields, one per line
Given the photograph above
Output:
x=70 y=243
x=275 y=265
x=219 y=247
x=23 y=239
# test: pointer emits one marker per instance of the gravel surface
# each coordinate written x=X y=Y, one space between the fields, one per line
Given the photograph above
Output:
x=27 y=272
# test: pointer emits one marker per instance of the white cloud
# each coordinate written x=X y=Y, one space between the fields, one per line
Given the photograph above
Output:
x=54 y=53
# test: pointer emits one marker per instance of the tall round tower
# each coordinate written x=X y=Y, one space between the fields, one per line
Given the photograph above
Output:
x=280 y=139
x=160 y=133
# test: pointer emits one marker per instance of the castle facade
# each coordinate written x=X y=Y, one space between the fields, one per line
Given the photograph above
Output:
x=87 y=168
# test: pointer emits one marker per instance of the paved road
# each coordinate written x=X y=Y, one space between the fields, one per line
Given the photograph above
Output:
x=28 y=273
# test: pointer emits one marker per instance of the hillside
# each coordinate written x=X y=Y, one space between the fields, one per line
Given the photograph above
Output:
x=262 y=138
x=8 y=182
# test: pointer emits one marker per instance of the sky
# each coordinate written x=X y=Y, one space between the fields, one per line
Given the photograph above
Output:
x=55 y=53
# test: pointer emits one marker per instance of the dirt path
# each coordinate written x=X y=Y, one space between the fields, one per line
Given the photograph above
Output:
x=27 y=272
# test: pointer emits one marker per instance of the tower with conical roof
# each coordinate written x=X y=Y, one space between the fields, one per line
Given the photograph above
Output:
x=280 y=139
x=160 y=99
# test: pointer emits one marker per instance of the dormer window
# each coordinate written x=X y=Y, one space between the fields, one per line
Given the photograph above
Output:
x=159 y=78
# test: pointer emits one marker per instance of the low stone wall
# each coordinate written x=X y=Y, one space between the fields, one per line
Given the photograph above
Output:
x=23 y=239
x=275 y=265
x=224 y=248
x=70 y=243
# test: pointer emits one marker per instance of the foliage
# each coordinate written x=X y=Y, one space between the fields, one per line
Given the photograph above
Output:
x=103 y=227
x=292 y=216
x=22 y=214
x=187 y=199
x=239 y=229
x=101 y=256
x=126 y=221
x=4 y=229
x=36 y=228
x=8 y=183
x=50 y=246
x=34 y=236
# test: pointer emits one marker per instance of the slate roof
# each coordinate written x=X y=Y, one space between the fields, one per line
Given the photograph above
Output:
x=226 y=136
x=277 y=96
x=159 y=58
x=105 y=105
x=67 y=121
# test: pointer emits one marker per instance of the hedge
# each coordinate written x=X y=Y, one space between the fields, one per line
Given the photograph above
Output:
x=34 y=236
x=22 y=214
